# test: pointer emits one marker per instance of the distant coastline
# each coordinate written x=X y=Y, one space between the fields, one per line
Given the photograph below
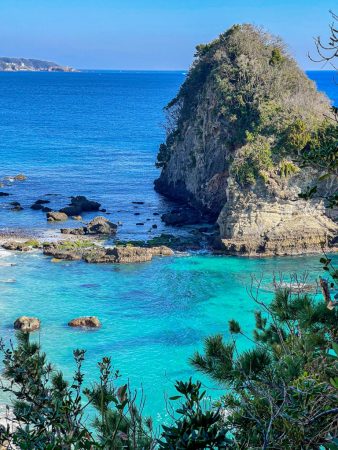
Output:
x=31 y=65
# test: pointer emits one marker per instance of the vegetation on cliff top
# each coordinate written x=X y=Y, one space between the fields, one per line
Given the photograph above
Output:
x=267 y=108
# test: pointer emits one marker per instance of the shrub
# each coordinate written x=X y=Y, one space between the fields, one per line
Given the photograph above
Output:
x=252 y=159
x=287 y=168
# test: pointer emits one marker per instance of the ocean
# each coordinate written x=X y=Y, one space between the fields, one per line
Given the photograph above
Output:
x=97 y=134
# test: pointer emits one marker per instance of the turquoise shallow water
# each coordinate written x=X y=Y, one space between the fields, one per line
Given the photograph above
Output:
x=97 y=134
x=154 y=315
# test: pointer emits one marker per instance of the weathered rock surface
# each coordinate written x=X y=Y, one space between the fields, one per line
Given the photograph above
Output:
x=275 y=228
x=21 y=246
x=91 y=253
x=234 y=150
x=56 y=216
x=99 y=225
x=182 y=216
x=27 y=324
x=85 y=322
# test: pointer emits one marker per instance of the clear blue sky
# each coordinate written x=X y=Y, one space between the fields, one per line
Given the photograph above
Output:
x=148 y=34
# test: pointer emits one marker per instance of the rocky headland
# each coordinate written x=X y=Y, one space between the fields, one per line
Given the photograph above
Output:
x=241 y=135
x=31 y=65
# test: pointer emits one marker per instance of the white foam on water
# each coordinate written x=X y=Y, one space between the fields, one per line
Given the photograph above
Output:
x=4 y=253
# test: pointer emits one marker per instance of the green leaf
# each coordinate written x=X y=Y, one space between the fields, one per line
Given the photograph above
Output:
x=335 y=347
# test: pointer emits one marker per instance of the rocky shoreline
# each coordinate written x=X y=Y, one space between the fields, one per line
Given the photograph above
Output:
x=97 y=240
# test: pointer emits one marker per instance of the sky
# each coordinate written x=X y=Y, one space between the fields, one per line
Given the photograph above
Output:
x=149 y=34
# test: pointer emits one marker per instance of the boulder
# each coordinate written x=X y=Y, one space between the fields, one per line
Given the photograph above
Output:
x=4 y=194
x=100 y=225
x=56 y=216
x=46 y=209
x=76 y=217
x=27 y=324
x=80 y=204
x=85 y=322
x=42 y=202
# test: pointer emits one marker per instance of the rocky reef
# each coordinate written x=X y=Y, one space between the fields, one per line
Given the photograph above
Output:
x=92 y=253
x=240 y=135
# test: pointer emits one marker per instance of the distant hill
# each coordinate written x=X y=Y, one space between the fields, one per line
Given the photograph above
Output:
x=31 y=65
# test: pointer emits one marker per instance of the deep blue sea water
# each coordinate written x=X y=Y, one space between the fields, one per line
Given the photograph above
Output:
x=97 y=134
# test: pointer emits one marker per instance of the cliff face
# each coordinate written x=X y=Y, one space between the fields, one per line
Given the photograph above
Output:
x=30 y=65
x=238 y=134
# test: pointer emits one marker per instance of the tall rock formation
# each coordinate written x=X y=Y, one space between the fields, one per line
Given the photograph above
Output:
x=241 y=134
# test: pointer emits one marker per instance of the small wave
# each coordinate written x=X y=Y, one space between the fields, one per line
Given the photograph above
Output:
x=9 y=280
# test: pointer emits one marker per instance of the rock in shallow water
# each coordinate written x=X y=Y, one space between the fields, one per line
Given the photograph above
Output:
x=21 y=246
x=56 y=216
x=99 y=225
x=91 y=253
x=80 y=204
x=27 y=324
x=85 y=322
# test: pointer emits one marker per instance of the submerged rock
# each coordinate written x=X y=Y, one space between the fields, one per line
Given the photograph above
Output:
x=42 y=202
x=20 y=177
x=16 y=206
x=27 y=324
x=36 y=206
x=56 y=216
x=85 y=322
